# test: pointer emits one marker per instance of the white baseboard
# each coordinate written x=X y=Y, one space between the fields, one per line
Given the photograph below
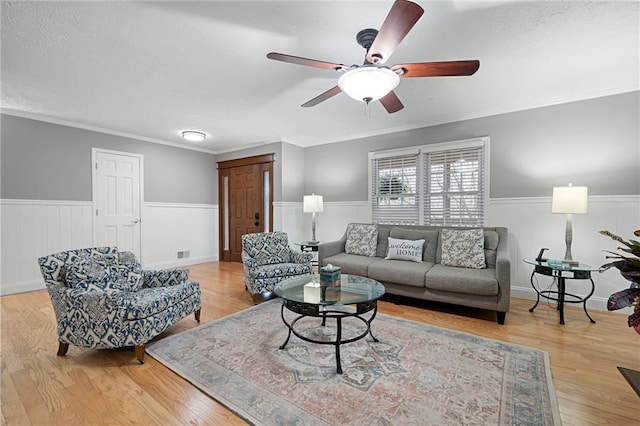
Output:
x=21 y=287
x=181 y=263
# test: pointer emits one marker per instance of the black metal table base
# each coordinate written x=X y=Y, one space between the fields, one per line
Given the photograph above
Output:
x=561 y=296
x=311 y=310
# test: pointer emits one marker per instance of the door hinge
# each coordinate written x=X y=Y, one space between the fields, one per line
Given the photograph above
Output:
x=96 y=165
x=96 y=212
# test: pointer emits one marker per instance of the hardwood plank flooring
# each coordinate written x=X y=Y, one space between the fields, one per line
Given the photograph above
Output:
x=92 y=387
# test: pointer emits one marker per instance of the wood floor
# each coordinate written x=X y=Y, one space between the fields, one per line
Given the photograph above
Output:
x=92 y=387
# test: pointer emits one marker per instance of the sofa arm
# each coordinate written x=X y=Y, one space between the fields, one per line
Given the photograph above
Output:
x=331 y=249
x=503 y=272
x=301 y=257
x=77 y=305
x=165 y=278
x=248 y=261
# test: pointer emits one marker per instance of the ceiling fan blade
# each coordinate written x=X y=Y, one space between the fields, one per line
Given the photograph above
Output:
x=391 y=102
x=308 y=62
x=401 y=18
x=323 y=97
x=437 y=69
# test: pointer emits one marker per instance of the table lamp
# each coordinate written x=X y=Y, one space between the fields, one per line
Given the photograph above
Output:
x=570 y=200
x=312 y=204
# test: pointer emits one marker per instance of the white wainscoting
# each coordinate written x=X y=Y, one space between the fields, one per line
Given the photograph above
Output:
x=531 y=226
x=33 y=228
x=169 y=228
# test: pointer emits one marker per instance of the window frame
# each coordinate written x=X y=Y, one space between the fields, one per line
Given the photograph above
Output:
x=420 y=151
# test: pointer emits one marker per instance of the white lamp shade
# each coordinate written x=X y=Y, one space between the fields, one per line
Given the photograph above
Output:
x=368 y=83
x=569 y=199
x=312 y=203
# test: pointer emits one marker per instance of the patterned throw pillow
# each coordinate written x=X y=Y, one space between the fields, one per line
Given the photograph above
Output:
x=405 y=249
x=362 y=239
x=463 y=248
x=103 y=274
x=85 y=271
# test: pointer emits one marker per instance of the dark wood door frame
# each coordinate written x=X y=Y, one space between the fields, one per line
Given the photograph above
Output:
x=264 y=164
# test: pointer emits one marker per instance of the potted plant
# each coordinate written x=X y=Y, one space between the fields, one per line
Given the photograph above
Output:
x=629 y=266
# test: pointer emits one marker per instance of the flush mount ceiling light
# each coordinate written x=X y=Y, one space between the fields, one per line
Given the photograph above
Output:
x=194 y=136
x=368 y=82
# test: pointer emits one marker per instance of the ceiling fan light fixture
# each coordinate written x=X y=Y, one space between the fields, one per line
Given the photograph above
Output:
x=194 y=135
x=368 y=83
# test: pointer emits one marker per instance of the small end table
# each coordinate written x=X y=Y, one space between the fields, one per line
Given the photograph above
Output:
x=562 y=272
x=309 y=247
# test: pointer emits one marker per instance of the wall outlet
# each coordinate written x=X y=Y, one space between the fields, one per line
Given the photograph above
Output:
x=184 y=254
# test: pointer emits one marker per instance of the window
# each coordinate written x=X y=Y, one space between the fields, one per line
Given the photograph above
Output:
x=395 y=183
x=439 y=184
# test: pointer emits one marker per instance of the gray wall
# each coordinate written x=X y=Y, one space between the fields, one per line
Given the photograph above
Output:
x=293 y=174
x=593 y=142
x=44 y=161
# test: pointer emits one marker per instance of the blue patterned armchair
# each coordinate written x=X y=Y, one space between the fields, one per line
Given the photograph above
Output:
x=103 y=299
x=267 y=259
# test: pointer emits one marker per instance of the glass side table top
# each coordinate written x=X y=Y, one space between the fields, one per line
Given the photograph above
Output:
x=306 y=289
x=559 y=266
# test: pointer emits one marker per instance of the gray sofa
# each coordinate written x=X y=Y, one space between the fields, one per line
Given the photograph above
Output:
x=486 y=288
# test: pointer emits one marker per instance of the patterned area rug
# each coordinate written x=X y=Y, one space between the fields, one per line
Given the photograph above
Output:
x=416 y=374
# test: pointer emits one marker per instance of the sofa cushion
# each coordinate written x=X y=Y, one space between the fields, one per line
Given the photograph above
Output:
x=362 y=239
x=159 y=300
x=279 y=270
x=405 y=250
x=430 y=238
x=481 y=282
x=351 y=263
x=400 y=272
x=463 y=248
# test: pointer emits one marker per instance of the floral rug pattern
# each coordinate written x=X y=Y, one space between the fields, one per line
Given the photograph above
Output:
x=416 y=374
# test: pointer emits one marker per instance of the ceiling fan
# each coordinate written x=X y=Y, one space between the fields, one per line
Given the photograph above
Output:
x=372 y=80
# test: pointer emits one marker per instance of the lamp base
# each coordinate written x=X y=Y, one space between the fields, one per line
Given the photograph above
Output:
x=313 y=242
x=570 y=262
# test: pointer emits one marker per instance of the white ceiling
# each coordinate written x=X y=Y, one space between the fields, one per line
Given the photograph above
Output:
x=151 y=69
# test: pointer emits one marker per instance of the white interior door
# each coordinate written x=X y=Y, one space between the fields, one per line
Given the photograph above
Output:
x=117 y=199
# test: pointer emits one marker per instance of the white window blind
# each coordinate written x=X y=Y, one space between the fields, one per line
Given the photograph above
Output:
x=437 y=184
x=454 y=187
x=394 y=189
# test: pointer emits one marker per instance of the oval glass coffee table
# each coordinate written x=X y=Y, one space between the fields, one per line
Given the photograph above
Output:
x=354 y=297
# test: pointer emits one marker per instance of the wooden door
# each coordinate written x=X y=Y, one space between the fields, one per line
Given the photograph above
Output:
x=245 y=198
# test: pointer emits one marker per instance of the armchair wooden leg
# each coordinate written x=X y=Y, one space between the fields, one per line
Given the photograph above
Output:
x=140 y=353
x=62 y=349
x=197 y=315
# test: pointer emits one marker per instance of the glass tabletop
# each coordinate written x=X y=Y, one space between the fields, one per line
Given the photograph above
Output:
x=559 y=266
x=307 y=289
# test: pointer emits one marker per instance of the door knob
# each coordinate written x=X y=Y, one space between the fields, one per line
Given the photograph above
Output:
x=257 y=215
x=135 y=221
x=256 y=223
